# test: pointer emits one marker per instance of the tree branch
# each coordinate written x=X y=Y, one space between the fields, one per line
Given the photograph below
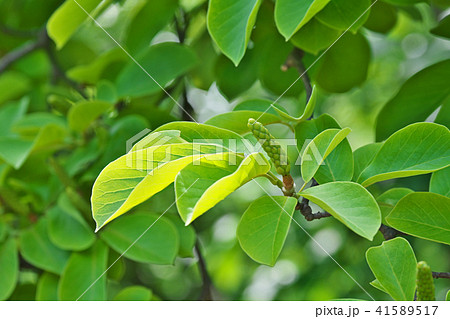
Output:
x=389 y=232
x=294 y=60
x=207 y=287
x=441 y=275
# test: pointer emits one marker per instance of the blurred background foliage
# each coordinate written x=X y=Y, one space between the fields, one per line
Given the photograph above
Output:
x=70 y=102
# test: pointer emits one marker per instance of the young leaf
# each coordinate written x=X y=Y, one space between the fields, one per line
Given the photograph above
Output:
x=9 y=268
x=440 y=182
x=37 y=249
x=419 y=148
x=47 y=287
x=164 y=62
x=137 y=176
x=134 y=293
x=83 y=277
x=339 y=163
x=215 y=177
x=158 y=138
x=264 y=226
x=67 y=19
x=232 y=34
x=423 y=215
x=419 y=96
x=350 y=203
x=158 y=245
x=318 y=150
x=394 y=265
x=291 y=15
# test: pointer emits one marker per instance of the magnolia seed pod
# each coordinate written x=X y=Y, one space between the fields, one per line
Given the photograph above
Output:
x=424 y=282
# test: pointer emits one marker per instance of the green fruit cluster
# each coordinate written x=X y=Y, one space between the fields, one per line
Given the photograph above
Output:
x=270 y=146
x=424 y=282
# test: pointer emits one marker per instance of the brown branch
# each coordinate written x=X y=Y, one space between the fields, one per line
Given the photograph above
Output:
x=389 y=232
x=294 y=60
x=207 y=286
x=441 y=275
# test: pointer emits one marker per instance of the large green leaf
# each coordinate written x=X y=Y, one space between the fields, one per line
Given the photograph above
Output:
x=202 y=133
x=443 y=28
x=416 y=149
x=66 y=227
x=440 y=182
x=382 y=18
x=363 y=156
x=394 y=266
x=315 y=36
x=347 y=60
x=236 y=121
x=350 y=203
x=159 y=243
x=230 y=23
x=83 y=113
x=318 y=150
x=390 y=198
x=83 y=277
x=215 y=177
x=264 y=226
x=134 y=293
x=418 y=97
x=344 y=14
x=291 y=15
x=68 y=18
x=37 y=249
x=137 y=176
x=339 y=163
x=424 y=215
x=151 y=18
x=162 y=63
x=186 y=234
x=9 y=268
x=47 y=287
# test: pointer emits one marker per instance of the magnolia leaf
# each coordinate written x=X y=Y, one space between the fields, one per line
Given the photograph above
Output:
x=137 y=176
x=350 y=203
x=208 y=180
x=47 y=287
x=9 y=268
x=264 y=226
x=440 y=182
x=363 y=156
x=424 y=215
x=419 y=148
x=232 y=34
x=134 y=293
x=318 y=150
x=390 y=198
x=394 y=266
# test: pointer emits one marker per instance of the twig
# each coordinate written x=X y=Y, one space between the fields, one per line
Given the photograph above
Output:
x=389 y=232
x=294 y=60
x=26 y=49
x=19 y=33
x=441 y=275
x=207 y=286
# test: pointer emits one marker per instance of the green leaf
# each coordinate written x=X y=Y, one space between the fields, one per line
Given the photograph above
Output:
x=423 y=215
x=350 y=203
x=158 y=138
x=315 y=36
x=66 y=227
x=447 y=297
x=339 y=163
x=67 y=19
x=83 y=277
x=47 y=287
x=363 y=157
x=152 y=17
x=347 y=60
x=236 y=121
x=440 y=182
x=291 y=15
x=442 y=29
x=375 y=283
x=37 y=249
x=443 y=117
x=12 y=112
x=14 y=151
x=231 y=31
x=418 y=97
x=202 y=133
x=419 y=148
x=390 y=198
x=163 y=62
x=186 y=234
x=159 y=243
x=394 y=265
x=382 y=18
x=134 y=293
x=137 y=176
x=13 y=85
x=9 y=268
x=83 y=113
x=264 y=226
x=318 y=150
x=344 y=14
x=208 y=180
